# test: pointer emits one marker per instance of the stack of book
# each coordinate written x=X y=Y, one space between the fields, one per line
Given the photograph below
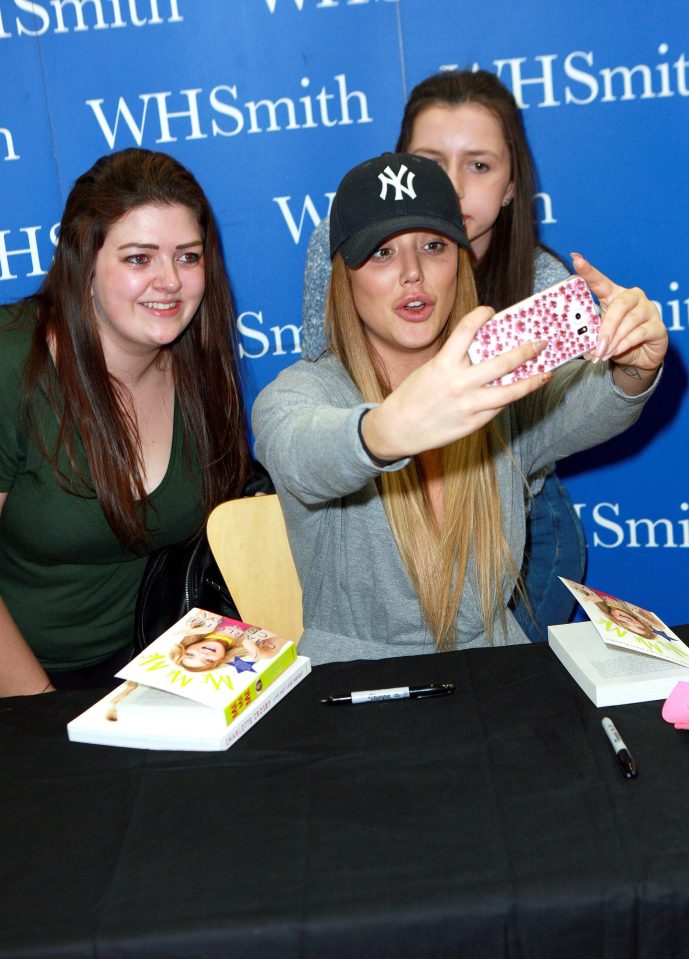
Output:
x=624 y=654
x=199 y=686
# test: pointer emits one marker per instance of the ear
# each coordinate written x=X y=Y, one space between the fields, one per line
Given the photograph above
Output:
x=509 y=194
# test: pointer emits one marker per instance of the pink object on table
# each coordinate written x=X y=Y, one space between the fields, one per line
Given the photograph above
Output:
x=676 y=706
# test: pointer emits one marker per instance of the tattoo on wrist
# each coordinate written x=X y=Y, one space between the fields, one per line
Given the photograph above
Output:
x=632 y=372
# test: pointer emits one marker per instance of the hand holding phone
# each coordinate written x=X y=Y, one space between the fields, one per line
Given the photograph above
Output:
x=565 y=315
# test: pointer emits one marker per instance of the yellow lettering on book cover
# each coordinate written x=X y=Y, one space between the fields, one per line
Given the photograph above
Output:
x=180 y=676
x=609 y=627
x=153 y=661
x=218 y=680
x=659 y=646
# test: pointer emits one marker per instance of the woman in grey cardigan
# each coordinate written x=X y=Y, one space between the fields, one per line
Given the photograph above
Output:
x=469 y=122
x=399 y=469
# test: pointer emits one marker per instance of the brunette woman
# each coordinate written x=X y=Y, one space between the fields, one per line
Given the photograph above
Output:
x=121 y=417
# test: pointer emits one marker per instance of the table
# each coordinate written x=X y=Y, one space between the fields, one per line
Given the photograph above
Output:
x=491 y=823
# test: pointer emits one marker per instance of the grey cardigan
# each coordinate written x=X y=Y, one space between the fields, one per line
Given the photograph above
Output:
x=358 y=599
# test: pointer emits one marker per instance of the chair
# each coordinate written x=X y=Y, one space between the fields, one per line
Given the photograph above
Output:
x=249 y=541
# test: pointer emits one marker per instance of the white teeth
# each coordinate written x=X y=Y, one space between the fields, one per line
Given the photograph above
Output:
x=414 y=304
x=160 y=306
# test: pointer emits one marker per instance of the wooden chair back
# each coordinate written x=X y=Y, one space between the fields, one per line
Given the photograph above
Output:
x=249 y=541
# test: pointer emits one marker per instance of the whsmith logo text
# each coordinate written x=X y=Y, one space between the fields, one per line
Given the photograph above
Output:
x=551 y=80
x=193 y=114
x=75 y=16
x=612 y=530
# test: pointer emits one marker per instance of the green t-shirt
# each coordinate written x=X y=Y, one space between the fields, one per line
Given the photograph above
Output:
x=67 y=580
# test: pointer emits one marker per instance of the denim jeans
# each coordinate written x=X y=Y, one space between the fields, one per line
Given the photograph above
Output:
x=555 y=546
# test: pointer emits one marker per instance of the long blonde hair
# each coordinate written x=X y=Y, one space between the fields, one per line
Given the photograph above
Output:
x=435 y=558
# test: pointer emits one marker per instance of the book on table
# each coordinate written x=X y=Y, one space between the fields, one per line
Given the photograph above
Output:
x=199 y=686
x=623 y=654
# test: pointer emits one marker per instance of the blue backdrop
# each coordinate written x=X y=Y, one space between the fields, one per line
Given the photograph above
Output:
x=269 y=102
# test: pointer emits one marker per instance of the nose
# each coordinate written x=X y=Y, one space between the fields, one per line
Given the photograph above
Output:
x=168 y=277
x=411 y=270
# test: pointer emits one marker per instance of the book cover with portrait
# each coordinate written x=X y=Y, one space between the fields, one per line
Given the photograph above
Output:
x=628 y=626
x=219 y=662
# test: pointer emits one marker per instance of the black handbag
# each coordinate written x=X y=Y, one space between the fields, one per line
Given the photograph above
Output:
x=184 y=575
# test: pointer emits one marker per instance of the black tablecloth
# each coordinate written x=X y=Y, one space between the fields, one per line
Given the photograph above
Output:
x=491 y=823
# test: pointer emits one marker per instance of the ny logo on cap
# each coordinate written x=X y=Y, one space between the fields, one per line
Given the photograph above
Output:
x=388 y=178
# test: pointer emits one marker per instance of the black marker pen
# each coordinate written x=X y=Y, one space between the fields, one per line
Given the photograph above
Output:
x=397 y=692
x=624 y=757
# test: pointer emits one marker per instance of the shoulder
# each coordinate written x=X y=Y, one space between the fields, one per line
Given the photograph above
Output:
x=316 y=278
x=305 y=385
x=318 y=265
x=18 y=318
x=324 y=378
x=17 y=322
x=16 y=332
x=319 y=244
x=548 y=269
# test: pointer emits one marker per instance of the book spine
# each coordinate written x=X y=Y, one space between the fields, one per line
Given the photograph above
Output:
x=268 y=700
x=263 y=680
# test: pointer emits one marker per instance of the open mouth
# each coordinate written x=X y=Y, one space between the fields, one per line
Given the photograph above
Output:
x=415 y=308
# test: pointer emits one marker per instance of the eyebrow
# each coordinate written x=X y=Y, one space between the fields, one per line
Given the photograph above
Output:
x=472 y=153
x=154 y=246
x=484 y=151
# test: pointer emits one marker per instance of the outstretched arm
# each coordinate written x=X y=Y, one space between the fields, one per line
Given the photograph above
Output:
x=447 y=398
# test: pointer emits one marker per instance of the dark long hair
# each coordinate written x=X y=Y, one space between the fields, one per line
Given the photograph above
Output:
x=86 y=400
x=506 y=273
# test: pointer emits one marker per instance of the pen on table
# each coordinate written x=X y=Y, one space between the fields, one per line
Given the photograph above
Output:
x=624 y=757
x=397 y=692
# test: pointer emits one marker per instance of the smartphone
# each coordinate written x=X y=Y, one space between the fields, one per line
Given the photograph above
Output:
x=565 y=315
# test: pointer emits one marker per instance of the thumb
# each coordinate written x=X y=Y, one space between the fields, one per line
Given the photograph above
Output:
x=463 y=335
x=598 y=282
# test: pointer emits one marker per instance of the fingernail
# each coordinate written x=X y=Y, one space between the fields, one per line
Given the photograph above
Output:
x=601 y=347
x=578 y=256
x=547 y=377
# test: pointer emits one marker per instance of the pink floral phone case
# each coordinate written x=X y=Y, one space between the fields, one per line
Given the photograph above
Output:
x=564 y=314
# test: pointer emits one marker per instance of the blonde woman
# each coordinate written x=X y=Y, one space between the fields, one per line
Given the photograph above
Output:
x=223 y=645
x=399 y=469
x=198 y=654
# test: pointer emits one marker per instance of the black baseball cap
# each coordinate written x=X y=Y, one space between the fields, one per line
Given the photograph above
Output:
x=389 y=194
